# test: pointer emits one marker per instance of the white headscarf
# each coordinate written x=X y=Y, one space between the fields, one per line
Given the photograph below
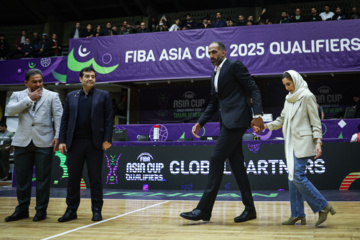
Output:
x=301 y=87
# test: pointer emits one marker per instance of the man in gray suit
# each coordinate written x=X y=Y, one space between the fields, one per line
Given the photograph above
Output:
x=35 y=138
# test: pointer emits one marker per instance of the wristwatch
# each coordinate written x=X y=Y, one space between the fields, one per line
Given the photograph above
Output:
x=319 y=141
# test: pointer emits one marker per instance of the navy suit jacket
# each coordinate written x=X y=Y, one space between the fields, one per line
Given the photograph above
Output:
x=101 y=118
x=233 y=83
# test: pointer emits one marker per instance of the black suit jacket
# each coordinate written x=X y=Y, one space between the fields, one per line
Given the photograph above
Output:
x=101 y=118
x=233 y=83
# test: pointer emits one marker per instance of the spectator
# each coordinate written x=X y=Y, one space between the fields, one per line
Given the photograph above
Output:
x=241 y=21
x=205 y=23
x=137 y=27
x=218 y=22
x=77 y=32
x=152 y=24
x=314 y=16
x=356 y=136
x=326 y=15
x=250 y=18
x=263 y=17
x=114 y=28
x=143 y=28
x=18 y=43
x=27 y=49
x=354 y=14
x=162 y=26
x=127 y=29
x=339 y=15
x=249 y=23
x=55 y=46
x=97 y=32
x=188 y=23
x=357 y=106
x=4 y=47
x=36 y=40
x=175 y=26
x=5 y=148
x=321 y=112
x=298 y=17
x=231 y=23
x=44 y=46
x=88 y=33
x=284 y=17
x=108 y=31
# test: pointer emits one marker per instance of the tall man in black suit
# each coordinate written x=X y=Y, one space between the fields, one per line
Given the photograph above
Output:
x=85 y=132
x=229 y=82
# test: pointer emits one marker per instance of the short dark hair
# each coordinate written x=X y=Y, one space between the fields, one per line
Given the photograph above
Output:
x=287 y=75
x=220 y=44
x=87 y=69
x=32 y=72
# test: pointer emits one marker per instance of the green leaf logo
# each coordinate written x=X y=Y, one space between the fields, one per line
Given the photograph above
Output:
x=32 y=65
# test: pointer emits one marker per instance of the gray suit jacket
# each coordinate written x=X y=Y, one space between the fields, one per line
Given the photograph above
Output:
x=305 y=125
x=39 y=126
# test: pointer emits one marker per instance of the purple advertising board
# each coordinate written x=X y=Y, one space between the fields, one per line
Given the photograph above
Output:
x=265 y=49
x=13 y=71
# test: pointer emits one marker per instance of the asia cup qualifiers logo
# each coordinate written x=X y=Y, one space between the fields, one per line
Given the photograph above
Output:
x=144 y=169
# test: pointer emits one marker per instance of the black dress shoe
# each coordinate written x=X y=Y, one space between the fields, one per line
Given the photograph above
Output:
x=40 y=215
x=68 y=216
x=245 y=216
x=17 y=216
x=196 y=215
x=96 y=215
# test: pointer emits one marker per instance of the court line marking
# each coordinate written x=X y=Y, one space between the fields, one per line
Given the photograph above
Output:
x=106 y=220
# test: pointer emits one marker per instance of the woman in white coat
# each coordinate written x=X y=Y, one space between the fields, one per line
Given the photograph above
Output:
x=302 y=132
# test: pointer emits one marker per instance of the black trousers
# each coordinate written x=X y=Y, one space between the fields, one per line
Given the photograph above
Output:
x=228 y=145
x=83 y=150
x=4 y=163
x=24 y=161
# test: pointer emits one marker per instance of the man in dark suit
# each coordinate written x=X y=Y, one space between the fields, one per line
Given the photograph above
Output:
x=229 y=82
x=85 y=132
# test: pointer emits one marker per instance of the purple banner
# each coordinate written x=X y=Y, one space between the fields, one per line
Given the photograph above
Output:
x=170 y=105
x=13 y=71
x=306 y=47
x=337 y=128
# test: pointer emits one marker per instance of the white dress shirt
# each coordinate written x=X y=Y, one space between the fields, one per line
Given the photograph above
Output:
x=217 y=70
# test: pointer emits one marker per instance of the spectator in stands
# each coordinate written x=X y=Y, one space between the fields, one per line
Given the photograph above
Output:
x=356 y=136
x=231 y=23
x=88 y=33
x=339 y=15
x=263 y=17
x=284 y=17
x=35 y=42
x=44 y=46
x=205 y=23
x=143 y=28
x=4 y=47
x=218 y=22
x=27 y=48
x=357 y=106
x=55 y=46
x=354 y=14
x=175 y=26
x=297 y=17
x=249 y=23
x=137 y=27
x=152 y=24
x=188 y=23
x=108 y=31
x=114 y=28
x=250 y=19
x=18 y=43
x=314 y=16
x=326 y=15
x=77 y=32
x=161 y=27
x=98 y=30
x=241 y=21
x=5 y=149
x=126 y=28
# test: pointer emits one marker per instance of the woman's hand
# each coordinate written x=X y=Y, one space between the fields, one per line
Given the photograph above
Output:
x=318 y=150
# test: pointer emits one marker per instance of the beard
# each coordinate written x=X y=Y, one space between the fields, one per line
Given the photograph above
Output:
x=218 y=61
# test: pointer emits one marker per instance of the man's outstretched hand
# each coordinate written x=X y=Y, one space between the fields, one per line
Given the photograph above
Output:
x=258 y=125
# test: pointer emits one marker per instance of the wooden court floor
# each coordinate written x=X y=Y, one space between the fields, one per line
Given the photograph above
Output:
x=144 y=219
